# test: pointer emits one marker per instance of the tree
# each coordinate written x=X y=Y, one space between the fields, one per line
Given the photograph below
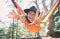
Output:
x=56 y=18
x=52 y=22
x=10 y=33
x=50 y=19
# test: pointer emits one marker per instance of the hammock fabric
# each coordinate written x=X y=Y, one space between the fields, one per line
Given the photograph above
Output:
x=35 y=28
x=59 y=0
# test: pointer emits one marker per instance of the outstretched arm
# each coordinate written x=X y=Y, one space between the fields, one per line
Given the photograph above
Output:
x=18 y=16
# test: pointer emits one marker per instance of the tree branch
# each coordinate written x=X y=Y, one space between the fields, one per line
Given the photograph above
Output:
x=44 y=5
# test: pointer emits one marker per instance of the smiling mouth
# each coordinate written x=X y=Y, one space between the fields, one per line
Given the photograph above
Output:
x=31 y=18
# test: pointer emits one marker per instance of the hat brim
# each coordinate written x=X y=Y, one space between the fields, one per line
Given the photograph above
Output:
x=33 y=8
x=28 y=10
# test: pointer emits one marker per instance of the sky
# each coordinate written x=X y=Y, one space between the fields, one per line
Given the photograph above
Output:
x=6 y=6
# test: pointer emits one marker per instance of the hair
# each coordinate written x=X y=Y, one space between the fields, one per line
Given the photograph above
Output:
x=27 y=19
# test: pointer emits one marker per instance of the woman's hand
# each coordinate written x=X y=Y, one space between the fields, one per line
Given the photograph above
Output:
x=14 y=15
x=38 y=19
x=18 y=16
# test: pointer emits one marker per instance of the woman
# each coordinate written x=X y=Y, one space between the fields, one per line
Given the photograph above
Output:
x=31 y=20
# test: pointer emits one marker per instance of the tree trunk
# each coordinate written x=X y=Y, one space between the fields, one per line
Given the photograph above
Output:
x=13 y=30
x=51 y=22
x=59 y=7
x=52 y=1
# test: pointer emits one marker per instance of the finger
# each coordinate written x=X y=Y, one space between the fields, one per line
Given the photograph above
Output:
x=10 y=16
x=37 y=13
x=36 y=17
x=43 y=16
x=40 y=15
x=13 y=12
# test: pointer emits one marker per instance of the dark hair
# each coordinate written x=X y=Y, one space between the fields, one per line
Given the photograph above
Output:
x=27 y=19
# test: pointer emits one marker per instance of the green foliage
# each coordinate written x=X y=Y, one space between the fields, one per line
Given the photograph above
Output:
x=56 y=19
x=11 y=30
x=2 y=34
x=58 y=26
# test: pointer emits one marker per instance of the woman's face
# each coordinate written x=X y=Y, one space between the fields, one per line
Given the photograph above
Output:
x=31 y=16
